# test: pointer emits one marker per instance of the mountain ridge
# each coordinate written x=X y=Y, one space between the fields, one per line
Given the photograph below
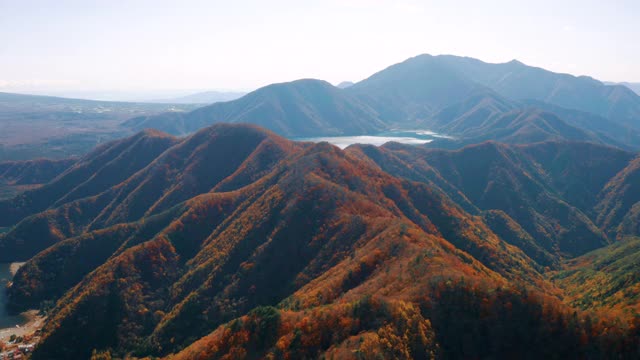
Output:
x=248 y=226
x=425 y=91
x=300 y=108
x=314 y=179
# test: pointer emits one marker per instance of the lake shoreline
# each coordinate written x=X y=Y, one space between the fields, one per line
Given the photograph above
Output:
x=25 y=323
x=14 y=267
x=33 y=323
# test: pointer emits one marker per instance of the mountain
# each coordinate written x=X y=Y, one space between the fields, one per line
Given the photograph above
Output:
x=475 y=101
x=471 y=114
x=32 y=171
x=309 y=194
x=607 y=131
x=482 y=118
x=205 y=97
x=236 y=242
x=518 y=81
x=605 y=278
x=619 y=205
x=541 y=187
x=300 y=108
x=104 y=167
x=16 y=176
x=144 y=178
x=422 y=87
x=414 y=89
x=492 y=117
x=633 y=86
x=463 y=98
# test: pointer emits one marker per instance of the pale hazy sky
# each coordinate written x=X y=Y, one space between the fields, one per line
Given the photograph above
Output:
x=142 y=45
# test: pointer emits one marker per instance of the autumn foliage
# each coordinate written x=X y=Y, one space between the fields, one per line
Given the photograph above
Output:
x=235 y=243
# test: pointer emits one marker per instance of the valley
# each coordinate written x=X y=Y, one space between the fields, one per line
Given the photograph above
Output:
x=65 y=127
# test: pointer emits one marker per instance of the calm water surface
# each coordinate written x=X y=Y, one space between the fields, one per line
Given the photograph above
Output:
x=413 y=137
x=6 y=320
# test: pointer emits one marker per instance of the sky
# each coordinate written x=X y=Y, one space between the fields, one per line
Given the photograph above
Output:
x=144 y=46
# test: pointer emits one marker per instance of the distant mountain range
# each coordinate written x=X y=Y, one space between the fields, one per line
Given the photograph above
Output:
x=491 y=117
x=462 y=97
x=633 y=86
x=141 y=96
x=22 y=103
x=205 y=97
x=36 y=126
x=237 y=240
x=517 y=81
x=299 y=108
x=424 y=86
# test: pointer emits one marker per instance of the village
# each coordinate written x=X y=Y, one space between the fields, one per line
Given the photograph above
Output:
x=18 y=346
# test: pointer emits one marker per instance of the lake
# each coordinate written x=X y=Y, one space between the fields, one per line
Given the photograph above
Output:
x=6 y=320
x=412 y=137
